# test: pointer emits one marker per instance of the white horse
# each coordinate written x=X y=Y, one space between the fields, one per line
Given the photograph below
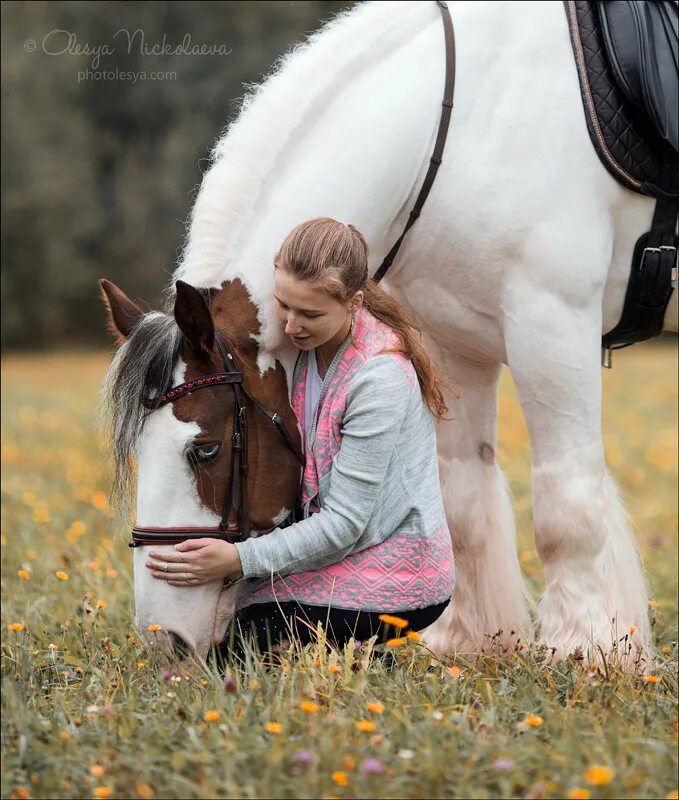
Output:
x=521 y=257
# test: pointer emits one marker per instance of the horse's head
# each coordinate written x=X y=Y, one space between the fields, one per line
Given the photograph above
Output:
x=190 y=472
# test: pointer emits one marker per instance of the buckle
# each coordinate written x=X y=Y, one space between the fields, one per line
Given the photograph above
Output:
x=660 y=250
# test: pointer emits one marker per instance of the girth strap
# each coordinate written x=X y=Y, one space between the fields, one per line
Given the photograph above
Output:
x=652 y=280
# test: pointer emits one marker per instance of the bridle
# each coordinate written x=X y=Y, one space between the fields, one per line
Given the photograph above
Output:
x=236 y=498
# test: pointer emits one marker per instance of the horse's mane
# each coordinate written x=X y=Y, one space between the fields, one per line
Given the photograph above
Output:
x=142 y=368
x=248 y=149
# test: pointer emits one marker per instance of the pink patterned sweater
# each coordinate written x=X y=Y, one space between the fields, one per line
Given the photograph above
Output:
x=379 y=539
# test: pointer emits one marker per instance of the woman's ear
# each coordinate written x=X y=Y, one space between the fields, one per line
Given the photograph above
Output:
x=356 y=301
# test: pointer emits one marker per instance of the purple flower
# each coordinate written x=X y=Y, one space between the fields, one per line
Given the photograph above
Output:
x=106 y=710
x=166 y=674
x=372 y=766
x=303 y=759
x=503 y=765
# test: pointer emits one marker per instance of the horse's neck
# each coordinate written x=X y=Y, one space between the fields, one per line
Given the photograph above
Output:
x=320 y=144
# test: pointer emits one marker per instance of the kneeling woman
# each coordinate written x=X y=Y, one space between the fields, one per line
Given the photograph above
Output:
x=374 y=540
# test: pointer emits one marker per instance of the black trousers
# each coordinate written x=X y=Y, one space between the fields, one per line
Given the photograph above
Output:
x=265 y=626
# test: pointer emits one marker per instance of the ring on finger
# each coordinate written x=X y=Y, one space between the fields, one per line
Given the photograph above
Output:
x=166 y=566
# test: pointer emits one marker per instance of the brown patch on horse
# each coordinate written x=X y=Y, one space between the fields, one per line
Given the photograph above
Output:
x=274 y=471
x=486 y=453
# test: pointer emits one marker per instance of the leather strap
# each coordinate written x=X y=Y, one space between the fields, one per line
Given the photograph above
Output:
x=651 y=282
x=435 y=160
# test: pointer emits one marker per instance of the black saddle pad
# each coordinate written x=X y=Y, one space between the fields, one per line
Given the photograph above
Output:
x=626 y=141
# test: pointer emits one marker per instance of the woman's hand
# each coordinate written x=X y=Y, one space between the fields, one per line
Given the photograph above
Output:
x=195 y=562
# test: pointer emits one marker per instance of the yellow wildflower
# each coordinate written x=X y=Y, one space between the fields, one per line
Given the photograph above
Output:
x=20 y=793
x=211 y=716
x=273 y=727
x=141 y=665
x=340 y=778
x=651 y=678
x=63 y=576
x=143 y=790
x=334 y=669
x=99 y=501
x=598 y=775
x=365 y=725
x=101 y=604
x=154 y=628
x=103 y=791
x=396 y=642
x=413 y=636
x=97 y=770
x=53 y=647
x=16 y=626
x=24 y=575
x=375 y=708
x=349 y=762
x=579 y=794
x=308 y=707
x=397 y=622
x=653 y=603
x=533 y=721
x=632 y=629
x=65 y=736
x=454 y=671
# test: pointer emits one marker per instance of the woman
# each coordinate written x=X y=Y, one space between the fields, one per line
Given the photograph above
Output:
x=373 y=540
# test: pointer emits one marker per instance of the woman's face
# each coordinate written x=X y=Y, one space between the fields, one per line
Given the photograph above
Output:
x=310 y=315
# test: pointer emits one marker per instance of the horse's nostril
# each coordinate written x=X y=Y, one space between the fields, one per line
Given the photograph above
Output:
x=179 y=647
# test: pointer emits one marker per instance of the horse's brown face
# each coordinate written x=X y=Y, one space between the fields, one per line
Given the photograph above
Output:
x=184 y=451
x=274 y=471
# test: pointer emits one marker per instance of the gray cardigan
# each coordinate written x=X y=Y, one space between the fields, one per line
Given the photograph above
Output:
x=385 y=477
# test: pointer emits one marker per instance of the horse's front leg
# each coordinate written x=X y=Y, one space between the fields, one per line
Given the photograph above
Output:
x=595 y=591
x=490 y=609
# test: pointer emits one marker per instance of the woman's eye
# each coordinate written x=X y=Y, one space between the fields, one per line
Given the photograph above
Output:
x=205 y=452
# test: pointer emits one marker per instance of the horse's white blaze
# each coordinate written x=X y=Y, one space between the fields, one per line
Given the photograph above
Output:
x=521 y=256
x=167 y=496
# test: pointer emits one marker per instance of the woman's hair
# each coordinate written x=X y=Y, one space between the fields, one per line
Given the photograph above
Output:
x=335 y=256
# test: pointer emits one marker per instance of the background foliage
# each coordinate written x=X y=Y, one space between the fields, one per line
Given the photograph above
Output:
x=99 y=175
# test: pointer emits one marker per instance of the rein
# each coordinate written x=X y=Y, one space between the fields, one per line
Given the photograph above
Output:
x=437 y=157
x=236 y=498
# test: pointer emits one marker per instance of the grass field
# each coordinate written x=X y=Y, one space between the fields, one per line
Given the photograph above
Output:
x=88 y=712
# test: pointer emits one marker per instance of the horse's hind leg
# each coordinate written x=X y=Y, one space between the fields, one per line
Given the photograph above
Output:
x=490 y=608
x=595 y=591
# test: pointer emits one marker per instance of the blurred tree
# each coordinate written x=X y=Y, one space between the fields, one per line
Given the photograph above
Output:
x=99 y=175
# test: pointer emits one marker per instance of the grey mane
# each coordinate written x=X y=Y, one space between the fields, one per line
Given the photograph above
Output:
x=141 y=369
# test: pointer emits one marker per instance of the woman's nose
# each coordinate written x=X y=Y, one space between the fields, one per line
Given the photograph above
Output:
x=291 y=325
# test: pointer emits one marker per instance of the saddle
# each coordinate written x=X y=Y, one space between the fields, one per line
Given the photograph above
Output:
x=626 y=53
x=642 y=45
x=626 y=56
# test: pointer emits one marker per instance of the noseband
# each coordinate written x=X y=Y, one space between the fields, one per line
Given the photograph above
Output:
x=236 y=498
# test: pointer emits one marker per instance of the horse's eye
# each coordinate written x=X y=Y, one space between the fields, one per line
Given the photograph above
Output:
x=205 y=452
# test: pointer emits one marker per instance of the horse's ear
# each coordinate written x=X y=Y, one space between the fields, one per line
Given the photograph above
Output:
x=122 y=313
x=194 y=319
